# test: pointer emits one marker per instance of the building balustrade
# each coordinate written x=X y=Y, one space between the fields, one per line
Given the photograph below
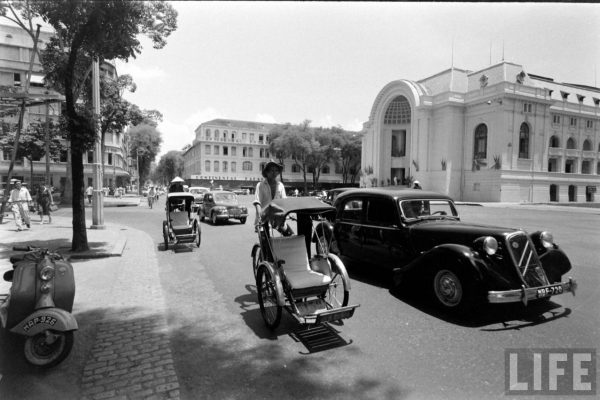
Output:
x=555 y=151
x=573 y=153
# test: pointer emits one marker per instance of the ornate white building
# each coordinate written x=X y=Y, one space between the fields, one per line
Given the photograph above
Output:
x=497 y=134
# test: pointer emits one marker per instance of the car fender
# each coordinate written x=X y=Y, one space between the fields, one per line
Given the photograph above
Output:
x=326 y=228
x=277 y=279
x=555 y=263
x=55 y=319
x=451 y=254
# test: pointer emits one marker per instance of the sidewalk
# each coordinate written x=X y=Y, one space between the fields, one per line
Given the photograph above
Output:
x=122 y=349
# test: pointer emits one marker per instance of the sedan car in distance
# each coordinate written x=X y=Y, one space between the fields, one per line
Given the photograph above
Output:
x=419 y=236
x=220 y=206
x=198 y=193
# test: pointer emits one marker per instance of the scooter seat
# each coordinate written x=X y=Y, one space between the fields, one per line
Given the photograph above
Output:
x=16 y=258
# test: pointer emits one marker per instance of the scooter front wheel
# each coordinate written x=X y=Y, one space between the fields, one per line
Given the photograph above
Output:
x=48 y=348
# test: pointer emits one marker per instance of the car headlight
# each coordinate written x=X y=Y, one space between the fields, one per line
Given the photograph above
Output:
x=490 y=245
x=487 y=244
x=547 y=239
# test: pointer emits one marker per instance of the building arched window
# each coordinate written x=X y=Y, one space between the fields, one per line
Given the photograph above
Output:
x=398 y=112
x=224 y=166
x=571 y=143
x=207 y=133
x=206 y=166
x=247 y=166
x=554 y=141
x=587 y=145
x=216 y=134
x=480 y=145
x=524 y=141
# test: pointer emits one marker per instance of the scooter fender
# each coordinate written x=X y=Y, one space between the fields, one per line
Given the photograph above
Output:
x=55 y=319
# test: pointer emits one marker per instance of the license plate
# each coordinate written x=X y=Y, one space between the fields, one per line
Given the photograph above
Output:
x=549 y=291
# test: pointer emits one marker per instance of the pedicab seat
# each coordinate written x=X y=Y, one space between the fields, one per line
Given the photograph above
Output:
x=302 y=279
x=180 y=222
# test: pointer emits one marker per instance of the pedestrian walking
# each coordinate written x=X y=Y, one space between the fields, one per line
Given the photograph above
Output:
x=45 y=201
x=19 y=200
x=417 y=185
x=88 y=192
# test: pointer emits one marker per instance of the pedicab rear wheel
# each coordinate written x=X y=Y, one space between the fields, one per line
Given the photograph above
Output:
x=268 y=298
x=166 y=235
x=40 y=352
x=338 y=293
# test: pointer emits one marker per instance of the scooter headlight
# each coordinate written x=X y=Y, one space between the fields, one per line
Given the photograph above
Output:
x=47 y=273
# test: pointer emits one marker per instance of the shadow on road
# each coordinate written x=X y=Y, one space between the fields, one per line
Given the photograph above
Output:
x=488 y=317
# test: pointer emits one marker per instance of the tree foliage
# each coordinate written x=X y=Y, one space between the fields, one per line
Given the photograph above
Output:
x=169 y=166
x=87 y=29
x=144 y=142
x=313 y=148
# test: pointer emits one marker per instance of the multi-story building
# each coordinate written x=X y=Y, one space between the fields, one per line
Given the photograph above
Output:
x=497 y=134
x=232 y=153
x=15 y=52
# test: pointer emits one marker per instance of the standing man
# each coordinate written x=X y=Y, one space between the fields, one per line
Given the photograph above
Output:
x=89 y=192
x=19 y=199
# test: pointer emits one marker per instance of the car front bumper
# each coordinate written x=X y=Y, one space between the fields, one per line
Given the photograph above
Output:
x=532 y=293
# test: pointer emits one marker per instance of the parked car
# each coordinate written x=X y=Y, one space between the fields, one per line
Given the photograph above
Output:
x=419 y=236
x=241 y=191
x=334 y=193
x=220 y=206
x=198 y=192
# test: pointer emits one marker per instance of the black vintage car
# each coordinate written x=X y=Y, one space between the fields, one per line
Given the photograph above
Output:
x=419 y=235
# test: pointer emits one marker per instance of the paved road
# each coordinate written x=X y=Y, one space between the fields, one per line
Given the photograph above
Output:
x=400 y=348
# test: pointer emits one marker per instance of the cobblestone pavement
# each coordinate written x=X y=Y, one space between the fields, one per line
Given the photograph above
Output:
x=122 y=312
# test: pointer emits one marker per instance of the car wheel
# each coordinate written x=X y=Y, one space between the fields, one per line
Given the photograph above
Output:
x=243 y=220
x=452 y=290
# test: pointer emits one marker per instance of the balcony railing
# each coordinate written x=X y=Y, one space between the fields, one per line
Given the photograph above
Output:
x=573 y=153
x=555 y=151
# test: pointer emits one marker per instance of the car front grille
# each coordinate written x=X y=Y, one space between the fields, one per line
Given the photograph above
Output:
x=526 y=260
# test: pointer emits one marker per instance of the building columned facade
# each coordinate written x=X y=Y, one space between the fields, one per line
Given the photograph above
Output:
x=232 y=153
x=15 y=52
x=499 y=134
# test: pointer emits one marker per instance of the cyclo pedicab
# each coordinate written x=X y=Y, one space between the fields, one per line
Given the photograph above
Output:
x=180 y=226
x=313 y=289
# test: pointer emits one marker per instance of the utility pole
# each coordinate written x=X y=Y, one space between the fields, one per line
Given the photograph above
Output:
x=97 y=197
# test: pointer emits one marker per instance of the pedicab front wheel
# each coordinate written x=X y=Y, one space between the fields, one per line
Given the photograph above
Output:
x=268 y=297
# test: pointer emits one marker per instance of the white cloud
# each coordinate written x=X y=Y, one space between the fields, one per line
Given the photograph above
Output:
x=138 y=73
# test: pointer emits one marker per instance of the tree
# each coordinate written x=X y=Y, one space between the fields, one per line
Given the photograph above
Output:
x=170 y=166
x=32 y=142
x=87 y=29
x=350 y=147
x=144 y=142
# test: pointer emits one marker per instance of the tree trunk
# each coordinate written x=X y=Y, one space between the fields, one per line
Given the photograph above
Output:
x=79 y=242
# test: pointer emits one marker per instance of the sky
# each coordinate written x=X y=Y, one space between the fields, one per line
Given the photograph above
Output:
x=281 y=62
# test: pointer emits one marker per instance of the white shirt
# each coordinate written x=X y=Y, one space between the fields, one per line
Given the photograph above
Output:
x=19 y=195
x=264 y=196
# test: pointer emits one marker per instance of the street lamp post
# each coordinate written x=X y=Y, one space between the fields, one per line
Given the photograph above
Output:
x=97 y=199
x=137 y=152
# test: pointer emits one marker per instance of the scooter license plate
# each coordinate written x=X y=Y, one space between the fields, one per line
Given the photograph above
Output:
x=43 y=319
x=549 y=291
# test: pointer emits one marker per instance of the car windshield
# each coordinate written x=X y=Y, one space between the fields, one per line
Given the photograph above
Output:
x=428 y=209
x=228 y=198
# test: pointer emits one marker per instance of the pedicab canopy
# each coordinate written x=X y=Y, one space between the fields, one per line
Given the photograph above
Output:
x=176 y=185
x=276 y=211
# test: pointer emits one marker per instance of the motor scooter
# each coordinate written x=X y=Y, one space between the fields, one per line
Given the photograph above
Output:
x=39 y=305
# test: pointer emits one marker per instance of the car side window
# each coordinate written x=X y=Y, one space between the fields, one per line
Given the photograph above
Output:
x=381 y=212
x=352 y=210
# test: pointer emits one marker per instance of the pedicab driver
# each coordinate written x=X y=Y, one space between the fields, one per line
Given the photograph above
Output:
x=269 y=189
